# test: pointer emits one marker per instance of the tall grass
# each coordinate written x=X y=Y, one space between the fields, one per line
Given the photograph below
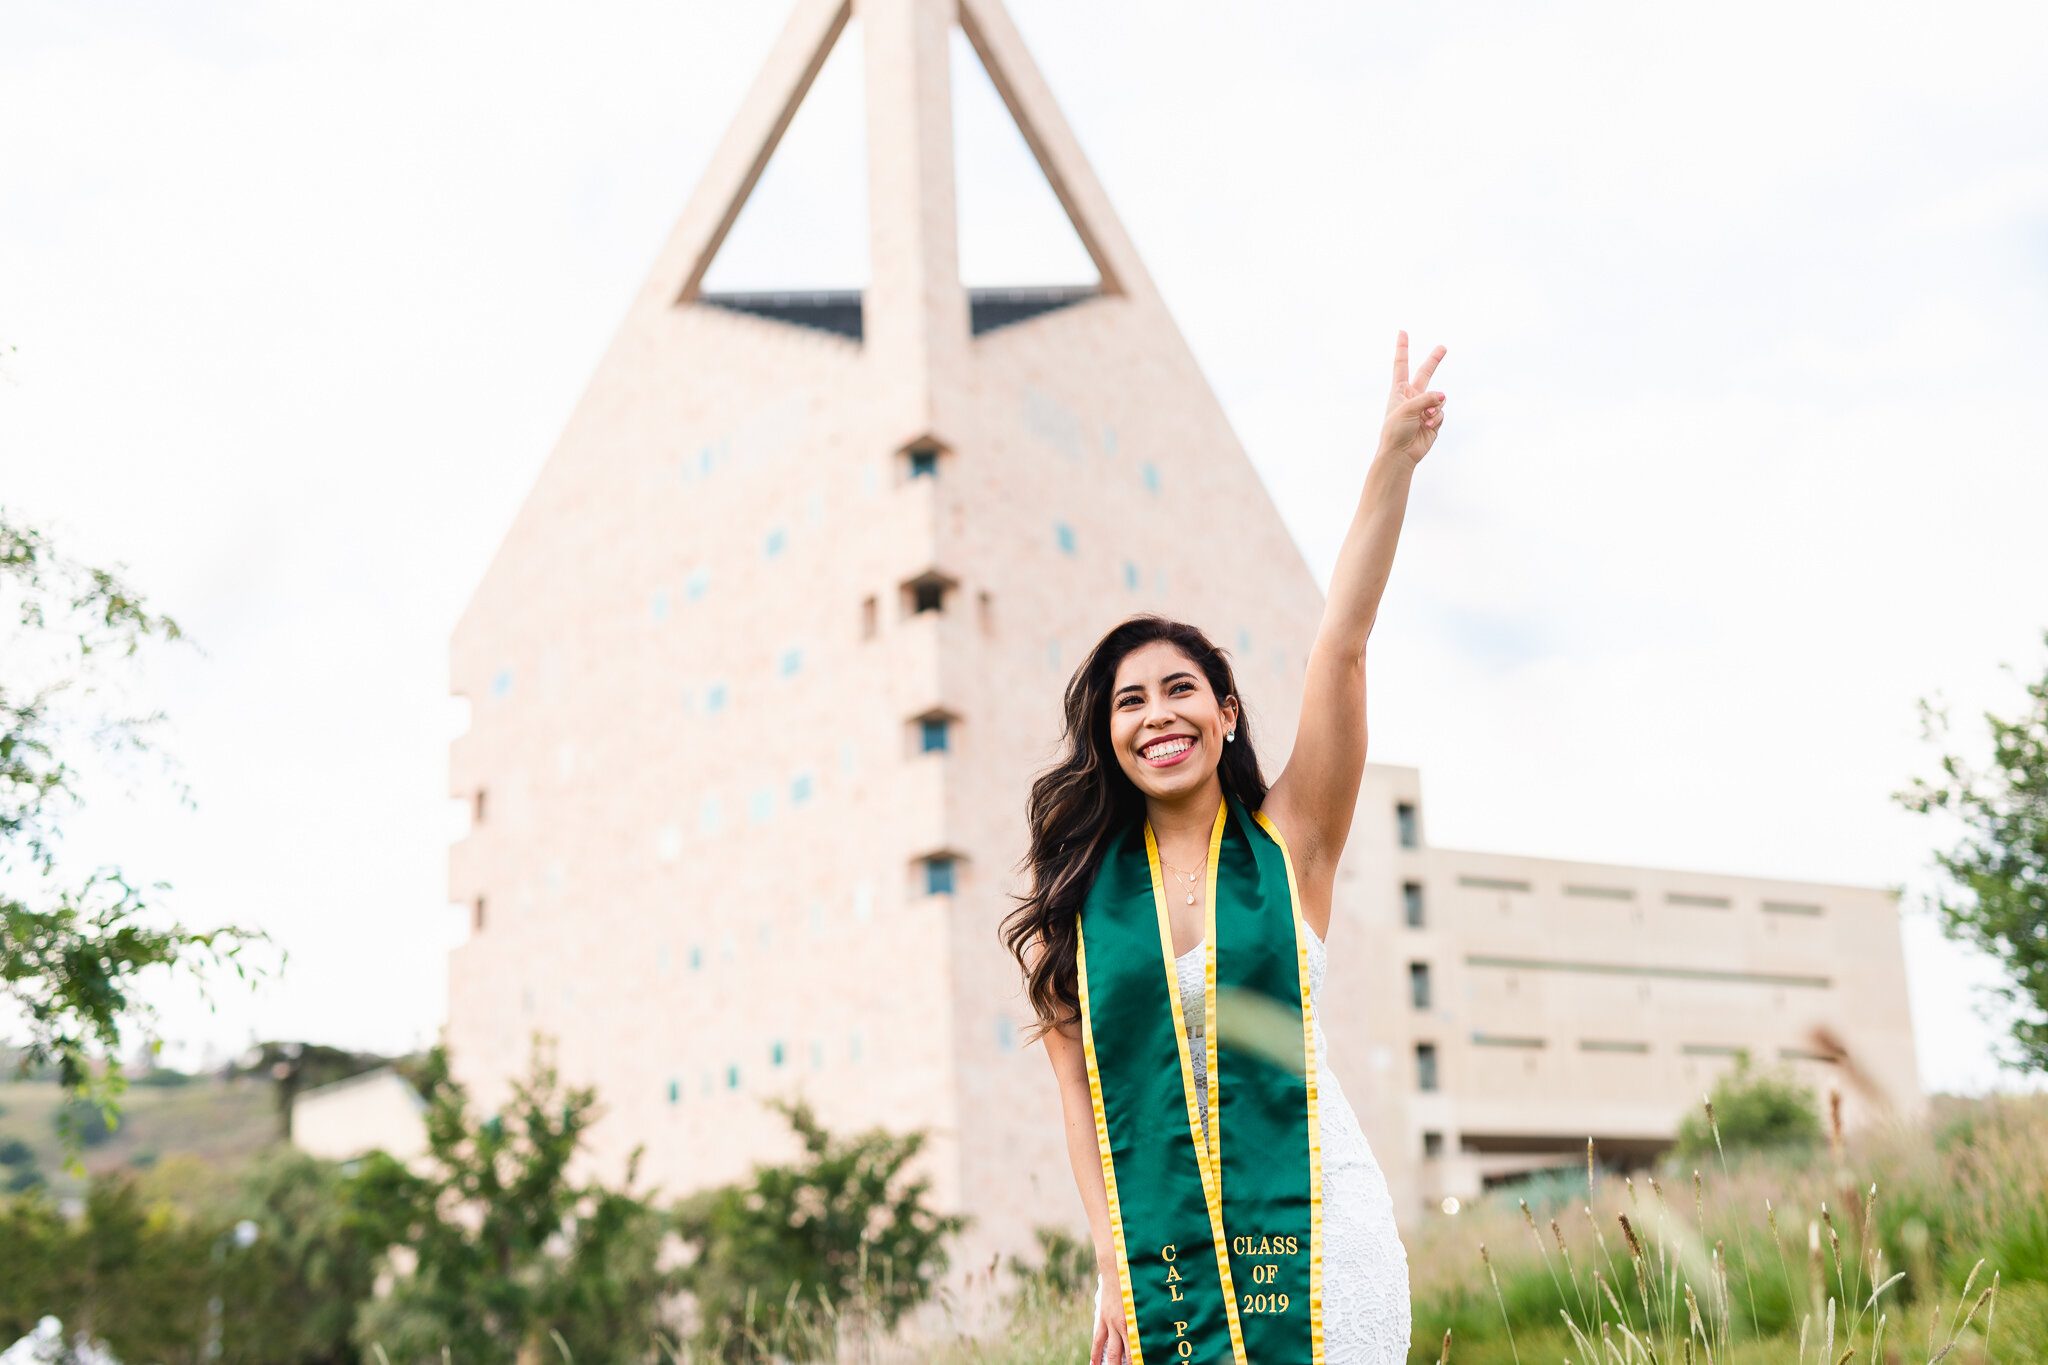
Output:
x=1913 y=1244
x=1921 y=1244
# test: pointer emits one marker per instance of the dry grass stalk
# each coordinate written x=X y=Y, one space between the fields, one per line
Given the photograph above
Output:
x=1497 y=1298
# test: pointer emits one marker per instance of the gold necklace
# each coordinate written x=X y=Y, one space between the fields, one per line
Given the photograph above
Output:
x=1188 y=877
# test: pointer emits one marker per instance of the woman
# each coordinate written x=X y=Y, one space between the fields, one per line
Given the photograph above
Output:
x=1172 y=946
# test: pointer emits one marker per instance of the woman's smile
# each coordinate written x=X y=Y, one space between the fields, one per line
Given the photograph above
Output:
x=1167 y=750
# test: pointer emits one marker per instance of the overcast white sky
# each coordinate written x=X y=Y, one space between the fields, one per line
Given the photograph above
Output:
x=1748 y=310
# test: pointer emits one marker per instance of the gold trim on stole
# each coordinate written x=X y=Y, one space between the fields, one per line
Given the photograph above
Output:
x=1116 y=1212
x=1211 y=1190
x=1315 y=1125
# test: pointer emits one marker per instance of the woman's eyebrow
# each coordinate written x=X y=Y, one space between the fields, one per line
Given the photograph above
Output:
x=1175 y=677
x=1130 y=687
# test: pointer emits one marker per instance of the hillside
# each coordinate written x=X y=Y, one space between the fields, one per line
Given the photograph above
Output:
x=213 y=1122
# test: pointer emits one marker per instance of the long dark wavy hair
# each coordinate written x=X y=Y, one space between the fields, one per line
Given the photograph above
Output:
x=1084 y=800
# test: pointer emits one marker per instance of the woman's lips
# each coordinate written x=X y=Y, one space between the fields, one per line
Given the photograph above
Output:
x=1155 y=758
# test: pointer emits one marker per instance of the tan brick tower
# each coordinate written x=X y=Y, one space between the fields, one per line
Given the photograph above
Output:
x=773 y=650
x=767 y=661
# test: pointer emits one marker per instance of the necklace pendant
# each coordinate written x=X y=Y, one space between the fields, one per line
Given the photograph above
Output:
x=1191 y=898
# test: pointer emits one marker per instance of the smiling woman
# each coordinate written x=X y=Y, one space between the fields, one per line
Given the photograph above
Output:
x=1172 y=947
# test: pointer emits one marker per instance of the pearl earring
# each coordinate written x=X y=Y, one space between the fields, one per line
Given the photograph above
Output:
x=1227 y=738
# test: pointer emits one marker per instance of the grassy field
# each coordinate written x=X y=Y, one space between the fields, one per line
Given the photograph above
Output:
x=1765 y=1245
x=207 y=1123
x=1904 y=1228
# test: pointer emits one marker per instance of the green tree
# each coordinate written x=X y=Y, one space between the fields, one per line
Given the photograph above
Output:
x=846 y=1224
x=74 y=947
x=1755 y=1110
x=506 y=1251
x=123 y=1273
x=1996 y=893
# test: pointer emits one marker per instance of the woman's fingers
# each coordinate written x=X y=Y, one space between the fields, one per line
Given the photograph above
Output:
x=1400 y=362
x=1429 y=367
x=1422 y=402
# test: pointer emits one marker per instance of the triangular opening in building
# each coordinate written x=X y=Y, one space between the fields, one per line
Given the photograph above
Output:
x=798 y=251
x=1019 y=253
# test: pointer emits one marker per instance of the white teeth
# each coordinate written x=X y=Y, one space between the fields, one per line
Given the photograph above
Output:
x=1168 y=748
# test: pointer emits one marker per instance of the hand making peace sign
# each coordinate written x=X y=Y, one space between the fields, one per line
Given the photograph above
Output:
x=1415 y=413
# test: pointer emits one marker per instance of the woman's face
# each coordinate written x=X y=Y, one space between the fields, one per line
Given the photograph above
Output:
x=1165 y=722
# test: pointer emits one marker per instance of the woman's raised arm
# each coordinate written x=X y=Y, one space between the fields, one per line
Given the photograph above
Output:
x=1313 y=799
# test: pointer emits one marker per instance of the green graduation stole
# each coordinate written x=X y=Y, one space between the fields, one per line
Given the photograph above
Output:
x=1218 y=1240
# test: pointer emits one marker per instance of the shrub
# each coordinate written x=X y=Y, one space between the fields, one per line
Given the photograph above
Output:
x=1754 y=1110
x=1065 y=1269
x=510 y=1256
x=779 y=1258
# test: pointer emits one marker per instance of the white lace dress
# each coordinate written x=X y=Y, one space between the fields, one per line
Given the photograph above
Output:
x=1365 y=1267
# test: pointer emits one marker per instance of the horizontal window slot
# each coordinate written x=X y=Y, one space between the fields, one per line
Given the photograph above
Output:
x=1697 y=902
x=1790 y=908
x=1605 y=1045
x=1601 y=893
x=1537 y=964
x=1493 y=884
x=1712 y=1050
x=1500 y=1040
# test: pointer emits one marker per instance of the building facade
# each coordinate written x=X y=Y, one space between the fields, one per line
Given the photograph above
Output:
x=768 y=659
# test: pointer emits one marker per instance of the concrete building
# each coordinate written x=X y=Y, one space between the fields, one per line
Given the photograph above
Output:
x=378 y=1111
x=768 y=659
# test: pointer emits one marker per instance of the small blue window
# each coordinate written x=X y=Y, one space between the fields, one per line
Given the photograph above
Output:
x=772 y=546
x=1006 y=1033
x=675 y=1092
x=924 y=464
x=1244 y=640
x=1151 y=477
x=704 y=458
x=696 y=958
x=710 y=815
x=658 y=608
x=698 y=583
x=501 y=685
x=1130 y=575
x=1064 y=534
x=932 y=734
x=775 y=1054
x=761 y=805
x=799 y=789
x=791 y=662
x=732 y=1078
x=938 y=876
x=714 y=699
